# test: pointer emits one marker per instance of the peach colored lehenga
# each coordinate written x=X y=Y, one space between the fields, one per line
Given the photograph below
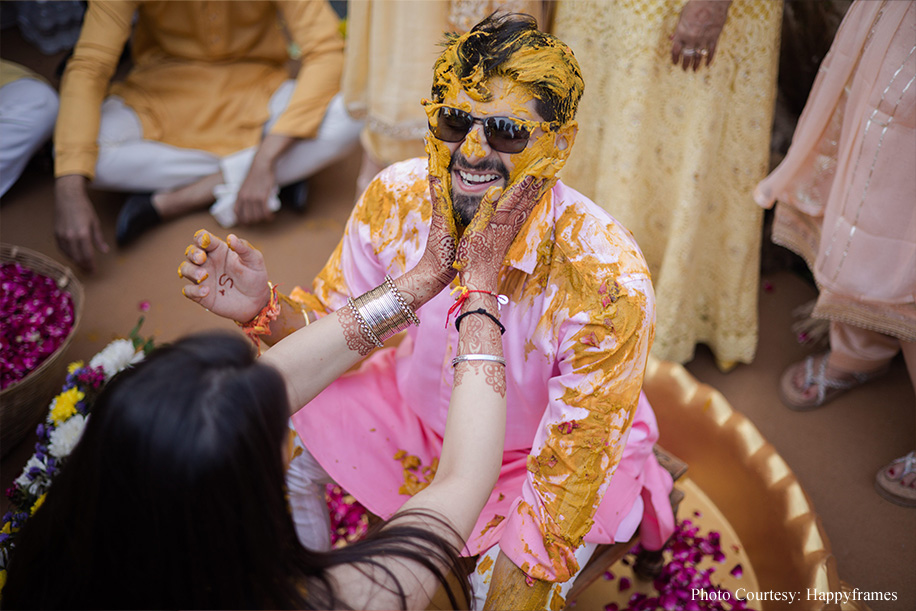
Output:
x=847 y=187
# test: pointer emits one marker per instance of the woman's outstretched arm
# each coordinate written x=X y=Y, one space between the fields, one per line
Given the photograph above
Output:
x=475 y=428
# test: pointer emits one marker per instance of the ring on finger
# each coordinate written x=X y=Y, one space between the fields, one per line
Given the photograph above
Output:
x=703 y=52
x=688 y=52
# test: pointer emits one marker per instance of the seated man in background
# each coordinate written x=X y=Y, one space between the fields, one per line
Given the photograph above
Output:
x=28 y=109
x=577 y=309
x=206 y=114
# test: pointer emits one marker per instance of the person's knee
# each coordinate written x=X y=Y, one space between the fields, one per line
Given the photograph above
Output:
x=47 y=105
x=36 y=105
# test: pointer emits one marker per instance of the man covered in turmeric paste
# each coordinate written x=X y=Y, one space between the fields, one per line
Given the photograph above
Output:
x=577 y=308
x=208 y=114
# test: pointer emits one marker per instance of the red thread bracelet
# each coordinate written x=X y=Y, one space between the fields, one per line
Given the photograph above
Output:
x=459 y=301
x=260 y=324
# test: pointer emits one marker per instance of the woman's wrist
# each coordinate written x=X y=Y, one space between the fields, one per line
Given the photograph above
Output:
x=480 y=299
x=479 y=282
x=265 y=303
x=423 y=282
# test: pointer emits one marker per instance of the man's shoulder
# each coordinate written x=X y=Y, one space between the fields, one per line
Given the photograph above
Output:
x=588 y=235
x=402 y=174
x=393 y=213
x=402 y=185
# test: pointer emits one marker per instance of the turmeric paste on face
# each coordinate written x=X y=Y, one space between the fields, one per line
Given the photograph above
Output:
x=541 y=159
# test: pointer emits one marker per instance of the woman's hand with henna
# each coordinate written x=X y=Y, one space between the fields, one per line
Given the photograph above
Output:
x=434 y=270
x=443 y=235
x=440 y=182
x=483 y=246
x=229 y=278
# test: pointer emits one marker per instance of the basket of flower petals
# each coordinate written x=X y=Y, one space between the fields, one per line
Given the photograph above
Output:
x=41 y=303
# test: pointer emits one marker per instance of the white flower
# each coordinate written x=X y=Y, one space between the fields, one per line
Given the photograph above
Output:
x=116 y=356
x=32 y=485
x=65 y=436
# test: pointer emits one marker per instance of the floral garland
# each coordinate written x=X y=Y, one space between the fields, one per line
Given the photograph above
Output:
x=62 y=429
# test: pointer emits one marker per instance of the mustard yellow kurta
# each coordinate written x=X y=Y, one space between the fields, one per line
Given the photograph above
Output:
x=675 y=156
x=202 y=76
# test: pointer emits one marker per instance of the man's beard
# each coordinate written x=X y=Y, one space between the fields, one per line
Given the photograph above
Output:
x=466 y=205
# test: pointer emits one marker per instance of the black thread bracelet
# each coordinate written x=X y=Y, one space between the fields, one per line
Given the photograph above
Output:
x=502 y=329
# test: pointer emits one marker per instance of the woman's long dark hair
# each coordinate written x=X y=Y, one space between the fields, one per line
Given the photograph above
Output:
x=175 y=498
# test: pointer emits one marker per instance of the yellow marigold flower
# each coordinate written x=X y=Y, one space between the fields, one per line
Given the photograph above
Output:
x=74 y=366
x=2 y=578
x=65 y=404
x=6 y=528
x=38 y=503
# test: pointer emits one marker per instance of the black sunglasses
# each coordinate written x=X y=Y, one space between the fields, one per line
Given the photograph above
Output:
x=504 y=134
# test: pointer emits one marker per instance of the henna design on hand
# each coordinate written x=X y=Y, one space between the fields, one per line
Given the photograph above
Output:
x=485 y=243
x=479 y=335
x=495 y=375
x=441 y=242
x=434 y=270
x=459 y=373
x=352 y=332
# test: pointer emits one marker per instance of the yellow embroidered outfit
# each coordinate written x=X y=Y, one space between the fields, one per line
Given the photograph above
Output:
x=675 y=156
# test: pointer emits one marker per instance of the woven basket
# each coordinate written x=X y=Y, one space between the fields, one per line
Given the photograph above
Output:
x=25 y=403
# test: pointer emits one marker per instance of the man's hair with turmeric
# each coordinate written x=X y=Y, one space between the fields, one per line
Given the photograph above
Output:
x=509 y=45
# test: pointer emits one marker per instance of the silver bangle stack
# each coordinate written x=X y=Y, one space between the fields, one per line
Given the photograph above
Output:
x=397 y=295
x=382 y=312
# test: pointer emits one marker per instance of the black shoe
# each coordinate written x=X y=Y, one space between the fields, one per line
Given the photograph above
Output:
x=296 y=196
x=136 y=216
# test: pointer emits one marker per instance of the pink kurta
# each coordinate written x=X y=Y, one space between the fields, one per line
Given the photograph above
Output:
x=847 y=187
x=579 y=324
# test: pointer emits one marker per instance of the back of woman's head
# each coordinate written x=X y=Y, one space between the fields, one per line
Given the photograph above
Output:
x=174 y=497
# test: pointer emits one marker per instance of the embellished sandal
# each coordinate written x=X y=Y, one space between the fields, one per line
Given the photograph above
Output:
x=892 y=481
x=815 y=372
